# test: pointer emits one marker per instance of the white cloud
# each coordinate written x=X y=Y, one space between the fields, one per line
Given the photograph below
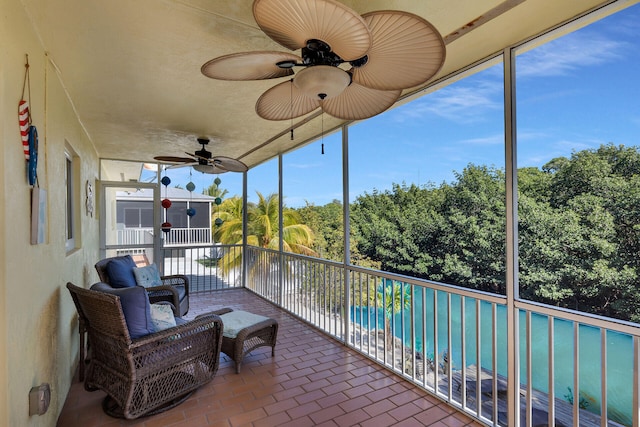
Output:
x=562 y=56
x=497 y=139
x=459 y=103
x=536 y=149
x=304 y=165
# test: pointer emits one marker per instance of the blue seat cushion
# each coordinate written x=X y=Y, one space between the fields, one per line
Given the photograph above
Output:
x=120 y=272
x=179 y=288
x=181 y=291
x=135 y=307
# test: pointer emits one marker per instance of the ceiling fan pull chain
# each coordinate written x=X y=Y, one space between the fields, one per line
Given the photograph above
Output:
x=291 y=106
x=322 y=132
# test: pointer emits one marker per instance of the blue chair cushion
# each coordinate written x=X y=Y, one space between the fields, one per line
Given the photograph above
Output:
x=181 y=291
x=179 y=288
x=135 y=307
x=147 y=276
x=120 y=271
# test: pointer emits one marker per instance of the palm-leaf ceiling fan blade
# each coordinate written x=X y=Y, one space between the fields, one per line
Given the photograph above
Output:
x=358 y=102
x=293 y=22
x=197 y=157
x=173 y=159
x=284 y=101
x=210 y=169
x=229 y=164
x=249 y=66
x=406 y=51
x=181 y=165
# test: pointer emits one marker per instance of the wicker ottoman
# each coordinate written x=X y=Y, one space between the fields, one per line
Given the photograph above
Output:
x=243 y=332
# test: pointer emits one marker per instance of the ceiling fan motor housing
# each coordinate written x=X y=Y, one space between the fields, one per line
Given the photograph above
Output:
x=203 y=154
x=317 y=52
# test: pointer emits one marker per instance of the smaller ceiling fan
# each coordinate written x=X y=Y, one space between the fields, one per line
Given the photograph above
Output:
x=203 y=161
x=352 y=67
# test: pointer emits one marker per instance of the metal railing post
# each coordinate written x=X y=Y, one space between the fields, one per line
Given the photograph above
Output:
x=347 y=231
x=511 y=191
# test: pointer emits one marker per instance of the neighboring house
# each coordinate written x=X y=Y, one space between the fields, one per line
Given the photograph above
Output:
x=134 y=217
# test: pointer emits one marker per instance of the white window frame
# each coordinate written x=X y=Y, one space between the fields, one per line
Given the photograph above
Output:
x=71 y=175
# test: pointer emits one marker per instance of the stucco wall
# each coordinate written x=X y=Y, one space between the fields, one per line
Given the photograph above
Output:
x=38 y=326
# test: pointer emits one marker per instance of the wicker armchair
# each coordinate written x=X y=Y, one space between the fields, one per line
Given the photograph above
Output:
x=174 y=289
x=150 y=374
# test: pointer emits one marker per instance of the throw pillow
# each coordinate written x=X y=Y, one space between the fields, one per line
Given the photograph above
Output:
x=135 y=307
x=162 y=317
x=120 y=271
x=147 y=276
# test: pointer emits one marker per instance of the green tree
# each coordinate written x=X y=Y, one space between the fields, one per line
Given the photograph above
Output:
x=393 y=297
x=579 y=231
x=328 y=228
x=262 y=228
x=453 y=233
x=230 y=213
x=214 y=190
x=580 y=247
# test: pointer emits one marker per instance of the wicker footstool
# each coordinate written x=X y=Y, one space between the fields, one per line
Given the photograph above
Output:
x=243 y=332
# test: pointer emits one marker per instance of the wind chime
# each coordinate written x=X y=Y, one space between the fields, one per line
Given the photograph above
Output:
x=166 y=204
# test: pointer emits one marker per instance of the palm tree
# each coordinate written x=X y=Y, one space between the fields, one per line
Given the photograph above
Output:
x=230 y=213
x=262 y=228
x=393 y=297
x=214 y=190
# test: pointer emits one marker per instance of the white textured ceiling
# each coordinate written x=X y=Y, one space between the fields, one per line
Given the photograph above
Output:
x=132 y=67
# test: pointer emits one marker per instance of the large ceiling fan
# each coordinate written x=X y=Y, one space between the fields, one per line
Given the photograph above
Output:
x=203 y=161
x=352 y=66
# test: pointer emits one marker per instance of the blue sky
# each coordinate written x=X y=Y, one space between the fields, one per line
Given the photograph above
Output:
x=576 y=92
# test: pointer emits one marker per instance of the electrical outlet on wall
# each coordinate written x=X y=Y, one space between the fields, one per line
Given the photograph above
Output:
x=39 y=399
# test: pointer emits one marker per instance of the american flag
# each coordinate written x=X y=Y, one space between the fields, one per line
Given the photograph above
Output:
x=23 y=117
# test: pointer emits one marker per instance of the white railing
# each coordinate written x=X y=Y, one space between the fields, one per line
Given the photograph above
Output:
x=453 y=341
x=188 y=237
x=134 y=236
x=174 y=237
x=203 y=266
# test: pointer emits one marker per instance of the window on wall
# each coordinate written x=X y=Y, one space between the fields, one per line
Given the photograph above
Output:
x=312 y=186
x=72 y=195
x=579 y=167
x=427 y=187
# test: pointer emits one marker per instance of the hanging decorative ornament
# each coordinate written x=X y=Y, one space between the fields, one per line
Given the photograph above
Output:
x=166 y=203
x=190 y=187
x=218 y=202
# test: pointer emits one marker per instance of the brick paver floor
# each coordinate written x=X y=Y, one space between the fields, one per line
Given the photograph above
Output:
x=313 y=380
